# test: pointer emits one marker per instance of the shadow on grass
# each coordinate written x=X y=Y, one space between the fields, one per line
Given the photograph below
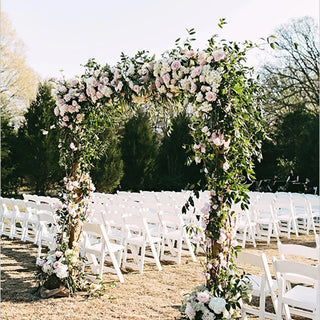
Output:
x=18 y=268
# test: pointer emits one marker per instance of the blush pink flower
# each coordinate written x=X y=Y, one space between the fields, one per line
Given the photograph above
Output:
x=196 y=72
x=190 y=53
x=56 y=111
x=79 y=117
x=210 y=96
x=158 y=82
x=190 y=312
x=71 y=109
x=193 y=87
x=56 y=265
x=65 y=118
x=203 y=297
x=166 y=78
x=175 y=65
x=218 y=55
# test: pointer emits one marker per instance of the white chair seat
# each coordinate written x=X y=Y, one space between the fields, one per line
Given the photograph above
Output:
x=293 y=297
x=255 y=280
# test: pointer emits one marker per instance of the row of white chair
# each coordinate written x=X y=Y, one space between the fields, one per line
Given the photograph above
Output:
x=287 y=299
x=29 y=221
x=277 y=214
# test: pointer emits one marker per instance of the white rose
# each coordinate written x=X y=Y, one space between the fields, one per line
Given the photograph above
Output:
x=47 y=267
x=218 y=305
x=62 y=271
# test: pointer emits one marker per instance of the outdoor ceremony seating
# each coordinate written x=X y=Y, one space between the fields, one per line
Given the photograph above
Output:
x=7 y=215
x=96 y=247
x=262 y=283
x=303 y=298
x=48 y=228
x=244 y=225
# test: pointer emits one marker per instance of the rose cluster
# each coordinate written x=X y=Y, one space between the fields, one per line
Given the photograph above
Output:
x=54 y=264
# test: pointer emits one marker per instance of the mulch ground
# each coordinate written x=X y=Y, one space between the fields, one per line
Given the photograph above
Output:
x=151 y=295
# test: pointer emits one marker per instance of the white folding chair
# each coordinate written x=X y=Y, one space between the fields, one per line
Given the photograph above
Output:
x=20 y=219
x=48 y=228
x=267 y=225
x=303 y=214
x=263 y=285
x=32 y=222
x=244 y=226
x=7 y=215
x=138 y=239
x=96 y=247
x=297 y=250
x=284 y=213
x=302 y=299
x=314 y=205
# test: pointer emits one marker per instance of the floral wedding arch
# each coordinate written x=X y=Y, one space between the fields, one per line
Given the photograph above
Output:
x=219 y=93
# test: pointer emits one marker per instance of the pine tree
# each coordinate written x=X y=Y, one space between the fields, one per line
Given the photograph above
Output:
x=38 y=145
x=108 y=170
x=174 y=172
x=139 y=148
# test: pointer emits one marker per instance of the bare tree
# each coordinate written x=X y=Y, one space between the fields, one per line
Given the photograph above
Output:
x=291 y=78
x=18 y=82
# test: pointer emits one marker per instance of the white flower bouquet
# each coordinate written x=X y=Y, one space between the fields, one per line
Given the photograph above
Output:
x=202 y=304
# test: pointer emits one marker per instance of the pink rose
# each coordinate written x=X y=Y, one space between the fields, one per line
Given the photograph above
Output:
x=158 y=82
x=203 y=297
x=190 y=312
x=166 y=78
x=71 y=109
x=196 y=72
x=175 y=65
x=63 y=124
x=56 y=111
x=105 y=80
x=210 y=96
x=99 y=95
x=41 y=263
x=57 y=265
x=79 y=117
x=190 y=53
x=193 y=87
x=62 y=89
x=67 y=97
x=82 y=97
x=218 y=55
x=65 y=118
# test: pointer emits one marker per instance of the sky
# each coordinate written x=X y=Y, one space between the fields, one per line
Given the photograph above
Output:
x=64 y=34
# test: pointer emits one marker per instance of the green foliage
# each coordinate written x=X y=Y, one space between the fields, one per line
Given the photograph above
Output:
x=9 y=179
x=108 y=170
x=174 y=172
x=37 y=147
x=298 y=142
x=139 y=148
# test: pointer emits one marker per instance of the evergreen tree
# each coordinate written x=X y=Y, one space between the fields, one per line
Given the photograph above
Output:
x=9 y=179
x=108 y=170
x=38 y=145
x=140 y=149
x=174 y=173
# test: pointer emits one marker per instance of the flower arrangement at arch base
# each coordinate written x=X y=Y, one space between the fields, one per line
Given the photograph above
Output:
x=60 y=274
x=219 y=303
